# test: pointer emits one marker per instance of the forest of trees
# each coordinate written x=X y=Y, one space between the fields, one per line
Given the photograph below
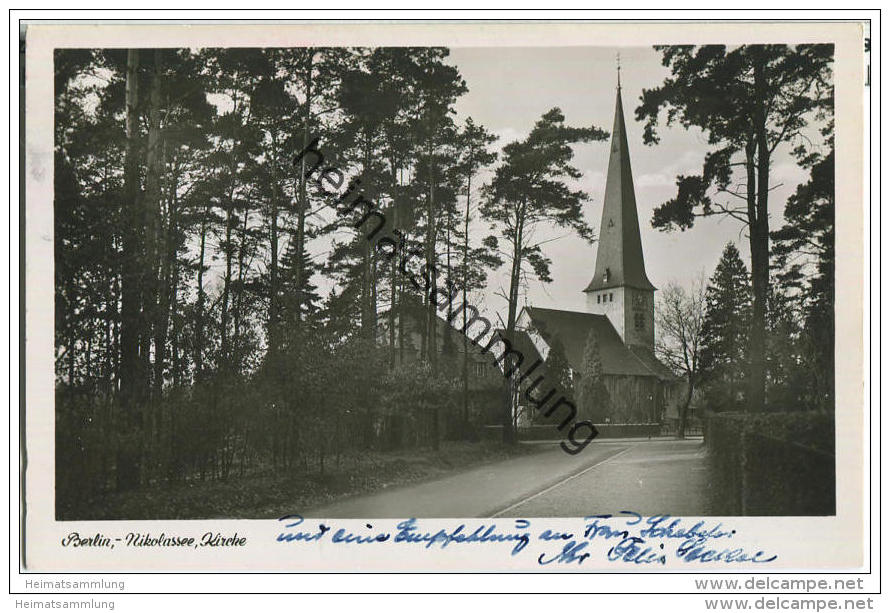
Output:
x=193 y=338
x=191 y=341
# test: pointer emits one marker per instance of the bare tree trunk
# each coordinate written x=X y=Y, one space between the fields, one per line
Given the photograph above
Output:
x=509 y=434
x=393 y=285
x=759 y=243
x=110 y=314
x=225 y=345
x=227 y=289
x=431 y=341
x=369 y=294
x=172 y=310
x=116 y=338
x=447 y=341
x=465 y=371
x=684 y=410
x=303 y=203
x=128 y=473
x=367 y=330
x=150 y=269
x=199 y=309
x=274 y=290
x=152 y=214
x=237 y=316
x=165 y=296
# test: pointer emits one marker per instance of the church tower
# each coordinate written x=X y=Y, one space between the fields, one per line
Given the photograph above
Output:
x=620 y=288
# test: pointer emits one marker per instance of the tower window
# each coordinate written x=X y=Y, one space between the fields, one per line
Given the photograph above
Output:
x=597 y=298
x=611 y=297
x=639 y=322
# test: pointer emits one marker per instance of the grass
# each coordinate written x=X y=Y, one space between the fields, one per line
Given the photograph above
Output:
x=269 y=495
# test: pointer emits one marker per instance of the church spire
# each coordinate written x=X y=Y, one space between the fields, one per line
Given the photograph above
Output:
x=618 y=64
x=619 y=255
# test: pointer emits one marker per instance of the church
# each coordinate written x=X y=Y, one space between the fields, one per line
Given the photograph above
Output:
x=620 y=309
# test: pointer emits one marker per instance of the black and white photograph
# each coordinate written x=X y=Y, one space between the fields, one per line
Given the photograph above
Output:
x=570 y=301
x=377 y=281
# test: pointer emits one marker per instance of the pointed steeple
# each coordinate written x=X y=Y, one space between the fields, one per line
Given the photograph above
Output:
x=619 y=254
x=618 y=67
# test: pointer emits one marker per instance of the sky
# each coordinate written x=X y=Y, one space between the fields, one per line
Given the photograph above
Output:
x=510 y=88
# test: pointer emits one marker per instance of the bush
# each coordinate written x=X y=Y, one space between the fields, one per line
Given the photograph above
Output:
x=772 y=463
x=415 y=401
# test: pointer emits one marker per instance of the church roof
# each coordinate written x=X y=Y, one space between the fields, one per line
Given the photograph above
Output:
x=573 y=328
x=523 y=343
x=653 y=363
x=619 y=254
x=415 y=314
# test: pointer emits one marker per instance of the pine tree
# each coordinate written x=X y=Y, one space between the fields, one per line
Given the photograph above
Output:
x=318 y=73
x=473 y=154
x=558 y=369
x=300 y=302
x=749 y=100
x=593 y=396
x=788 y=373
x=805 y=260
x=530 y=188
x=131 y=377
x=725 y=330
x=439 y=85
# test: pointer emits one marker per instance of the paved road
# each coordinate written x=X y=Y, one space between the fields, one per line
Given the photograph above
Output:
x=649 y=477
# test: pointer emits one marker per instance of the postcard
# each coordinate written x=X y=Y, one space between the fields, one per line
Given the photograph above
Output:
x=445 y=297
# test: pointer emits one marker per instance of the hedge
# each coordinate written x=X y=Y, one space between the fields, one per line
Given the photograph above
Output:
x=772 y=463
x=551 y=433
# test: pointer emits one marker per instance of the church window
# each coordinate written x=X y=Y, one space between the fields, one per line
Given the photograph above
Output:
x=597 y=298
x=479 y=369
x=639 y=322
x=611 y=297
